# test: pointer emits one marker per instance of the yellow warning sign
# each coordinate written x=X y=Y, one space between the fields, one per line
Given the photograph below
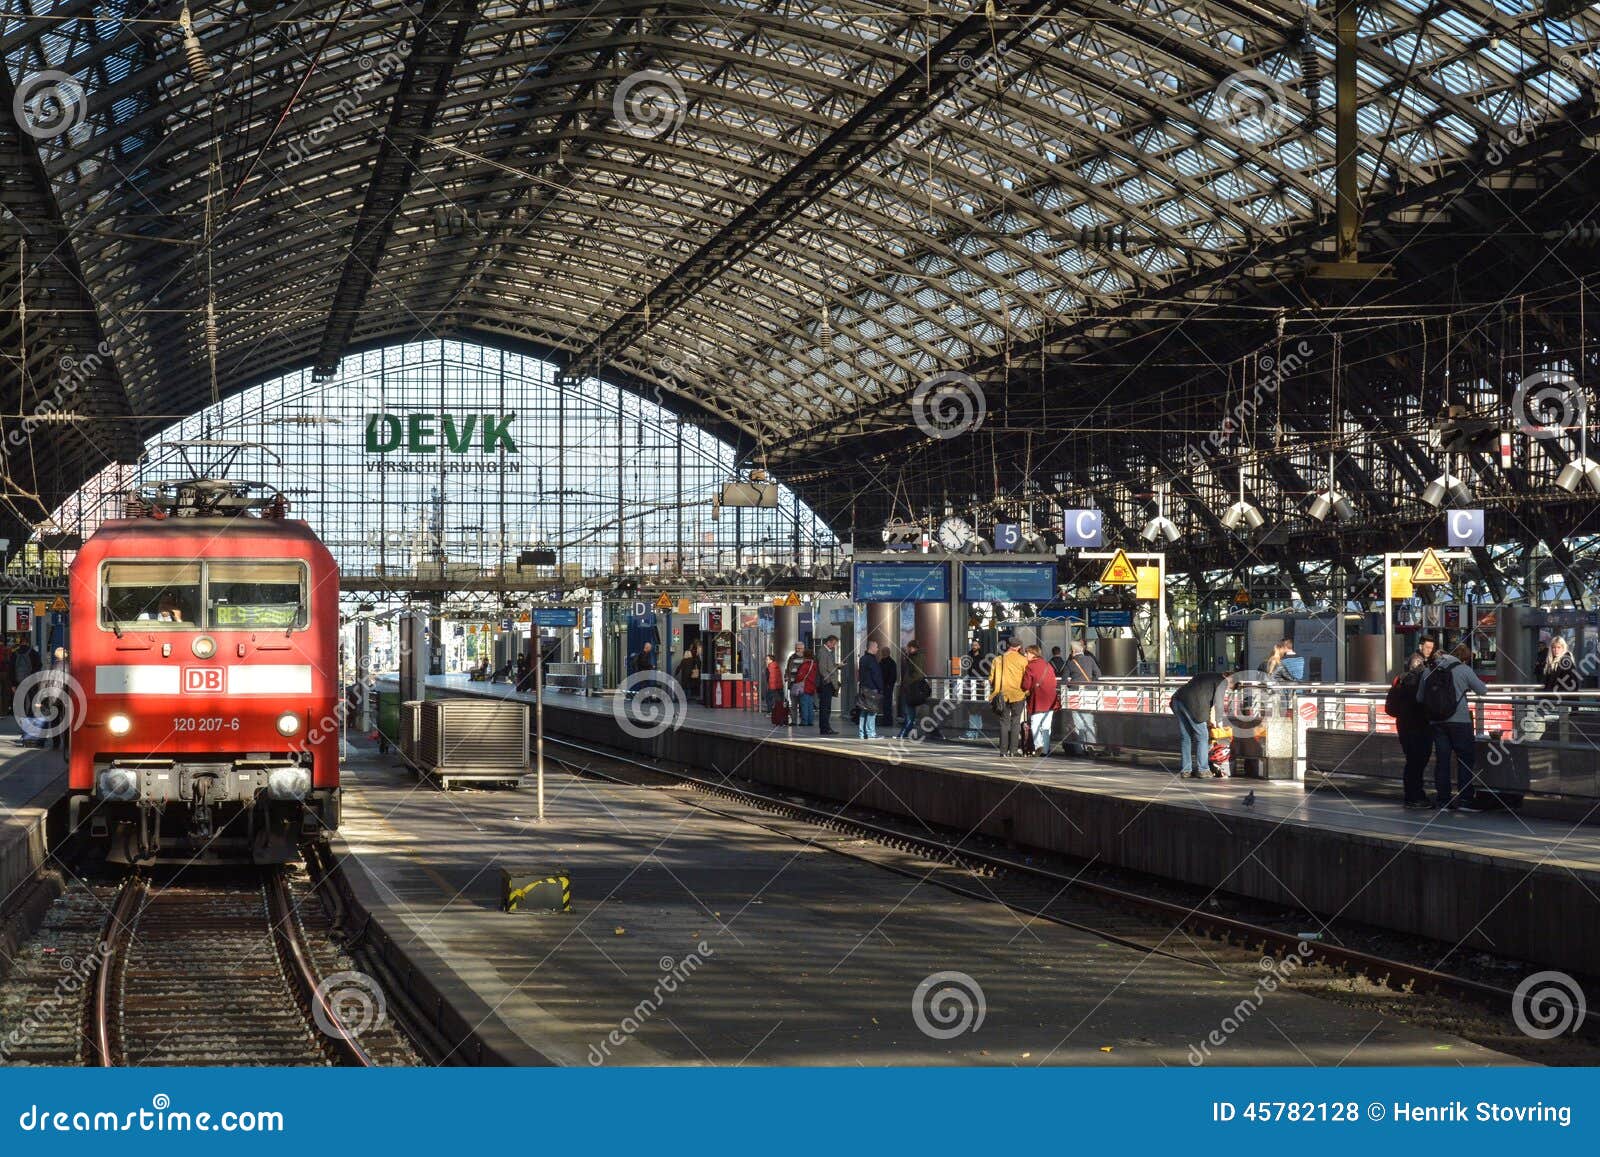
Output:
x=685 y=607
x=1149 y=584
x=39 y=608
x=791 y=600
x=1119 y=571
x=1430 y=570
x=59 y=605
x=1400 y=582
x=664 y=603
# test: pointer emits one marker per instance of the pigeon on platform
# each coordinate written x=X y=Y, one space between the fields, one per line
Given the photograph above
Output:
x=1250 y=798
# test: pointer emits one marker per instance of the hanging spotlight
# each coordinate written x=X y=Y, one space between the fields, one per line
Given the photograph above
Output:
x=1160 y=526
x=1330 y=501
x=1242 y=516
x=1446 y=486
x=1573 y=474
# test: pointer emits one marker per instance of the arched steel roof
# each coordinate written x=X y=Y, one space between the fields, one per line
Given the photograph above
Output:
x=776 y=214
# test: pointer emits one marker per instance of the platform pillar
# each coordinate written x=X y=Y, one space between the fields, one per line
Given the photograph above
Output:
x=413 y=655
x=883 y=624
x=785 y=632
x=933 y=636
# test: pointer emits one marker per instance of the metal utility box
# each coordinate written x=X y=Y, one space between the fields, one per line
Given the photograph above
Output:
x=472 y=741
x=410 y=728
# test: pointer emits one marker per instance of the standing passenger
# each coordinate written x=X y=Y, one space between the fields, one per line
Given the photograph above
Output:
x=772 y=683
x=1008 y=697
x=1411 y=727
x=1082 y=671
x=806 y=683
x=891 y=672
x=1039 y=681
x=869 y=692
x=1447 y=710
x=974 y=665
x=915 y=690
x=827 y=683
x=1558 y=671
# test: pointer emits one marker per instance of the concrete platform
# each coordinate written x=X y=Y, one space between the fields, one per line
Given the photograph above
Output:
x=782 y=953
x=1523 y=887
x=31 y=782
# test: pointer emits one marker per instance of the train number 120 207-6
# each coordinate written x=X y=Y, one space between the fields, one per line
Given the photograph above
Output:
x=204 y=723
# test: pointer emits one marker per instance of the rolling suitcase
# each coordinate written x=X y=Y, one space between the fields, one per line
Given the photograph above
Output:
x=780 y=714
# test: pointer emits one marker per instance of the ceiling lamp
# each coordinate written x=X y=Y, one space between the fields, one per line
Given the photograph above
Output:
x=1242 y=516
x=1573 y=474
x=1582 y=467
x=1446 y=486
x=1160 y=527
x=1330 y=501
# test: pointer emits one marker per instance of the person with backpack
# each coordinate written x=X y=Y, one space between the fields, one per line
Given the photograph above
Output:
x=1082 y=670
x=915 y=690
x=1411 y=727
x=1442 y=692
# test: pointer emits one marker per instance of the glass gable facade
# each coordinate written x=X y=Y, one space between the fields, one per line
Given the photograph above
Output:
x=441 y=459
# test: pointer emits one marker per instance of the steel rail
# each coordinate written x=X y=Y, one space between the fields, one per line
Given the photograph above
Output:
x=303 y=978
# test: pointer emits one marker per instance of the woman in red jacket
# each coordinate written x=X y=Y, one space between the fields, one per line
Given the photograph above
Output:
x=773 y=685
x=1039 y=681
x=805 y=685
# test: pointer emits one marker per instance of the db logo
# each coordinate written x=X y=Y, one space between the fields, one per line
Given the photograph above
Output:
x=202 y=678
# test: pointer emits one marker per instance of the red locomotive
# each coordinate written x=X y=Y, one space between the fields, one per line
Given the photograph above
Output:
x=205 y=640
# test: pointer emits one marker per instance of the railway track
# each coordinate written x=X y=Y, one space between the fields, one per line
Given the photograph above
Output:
x=234 y=969
x=967 y=866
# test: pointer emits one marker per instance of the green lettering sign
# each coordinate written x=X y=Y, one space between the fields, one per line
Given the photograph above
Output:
x=388 y=439
x=496 y=434
x=422 y=431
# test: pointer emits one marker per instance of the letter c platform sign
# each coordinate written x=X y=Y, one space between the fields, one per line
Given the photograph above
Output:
x=1082 y=528
x=1464 y=527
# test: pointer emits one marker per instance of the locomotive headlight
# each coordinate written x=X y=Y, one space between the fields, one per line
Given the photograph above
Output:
x=119 y=725
x=204 y=646
x=288 y=723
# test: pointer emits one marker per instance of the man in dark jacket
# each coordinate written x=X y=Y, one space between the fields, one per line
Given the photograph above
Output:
x=1195 y=706
x=891 y=672
x=869 y=682
x=1081 y=670
x=915 y=690
x=1411 y=727
x=827 y=684
x=1453 y=741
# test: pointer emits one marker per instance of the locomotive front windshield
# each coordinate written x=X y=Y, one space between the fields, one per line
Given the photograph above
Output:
x=243 y=595
x=141 y=593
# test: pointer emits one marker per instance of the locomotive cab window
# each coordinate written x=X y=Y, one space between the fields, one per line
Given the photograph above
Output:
x=251 y=595
x=150 y=594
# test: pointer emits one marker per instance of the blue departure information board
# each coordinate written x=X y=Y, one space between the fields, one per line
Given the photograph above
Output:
x=900 y=582
x=1110 y=618
x=555 y=616
x=1008 y=582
